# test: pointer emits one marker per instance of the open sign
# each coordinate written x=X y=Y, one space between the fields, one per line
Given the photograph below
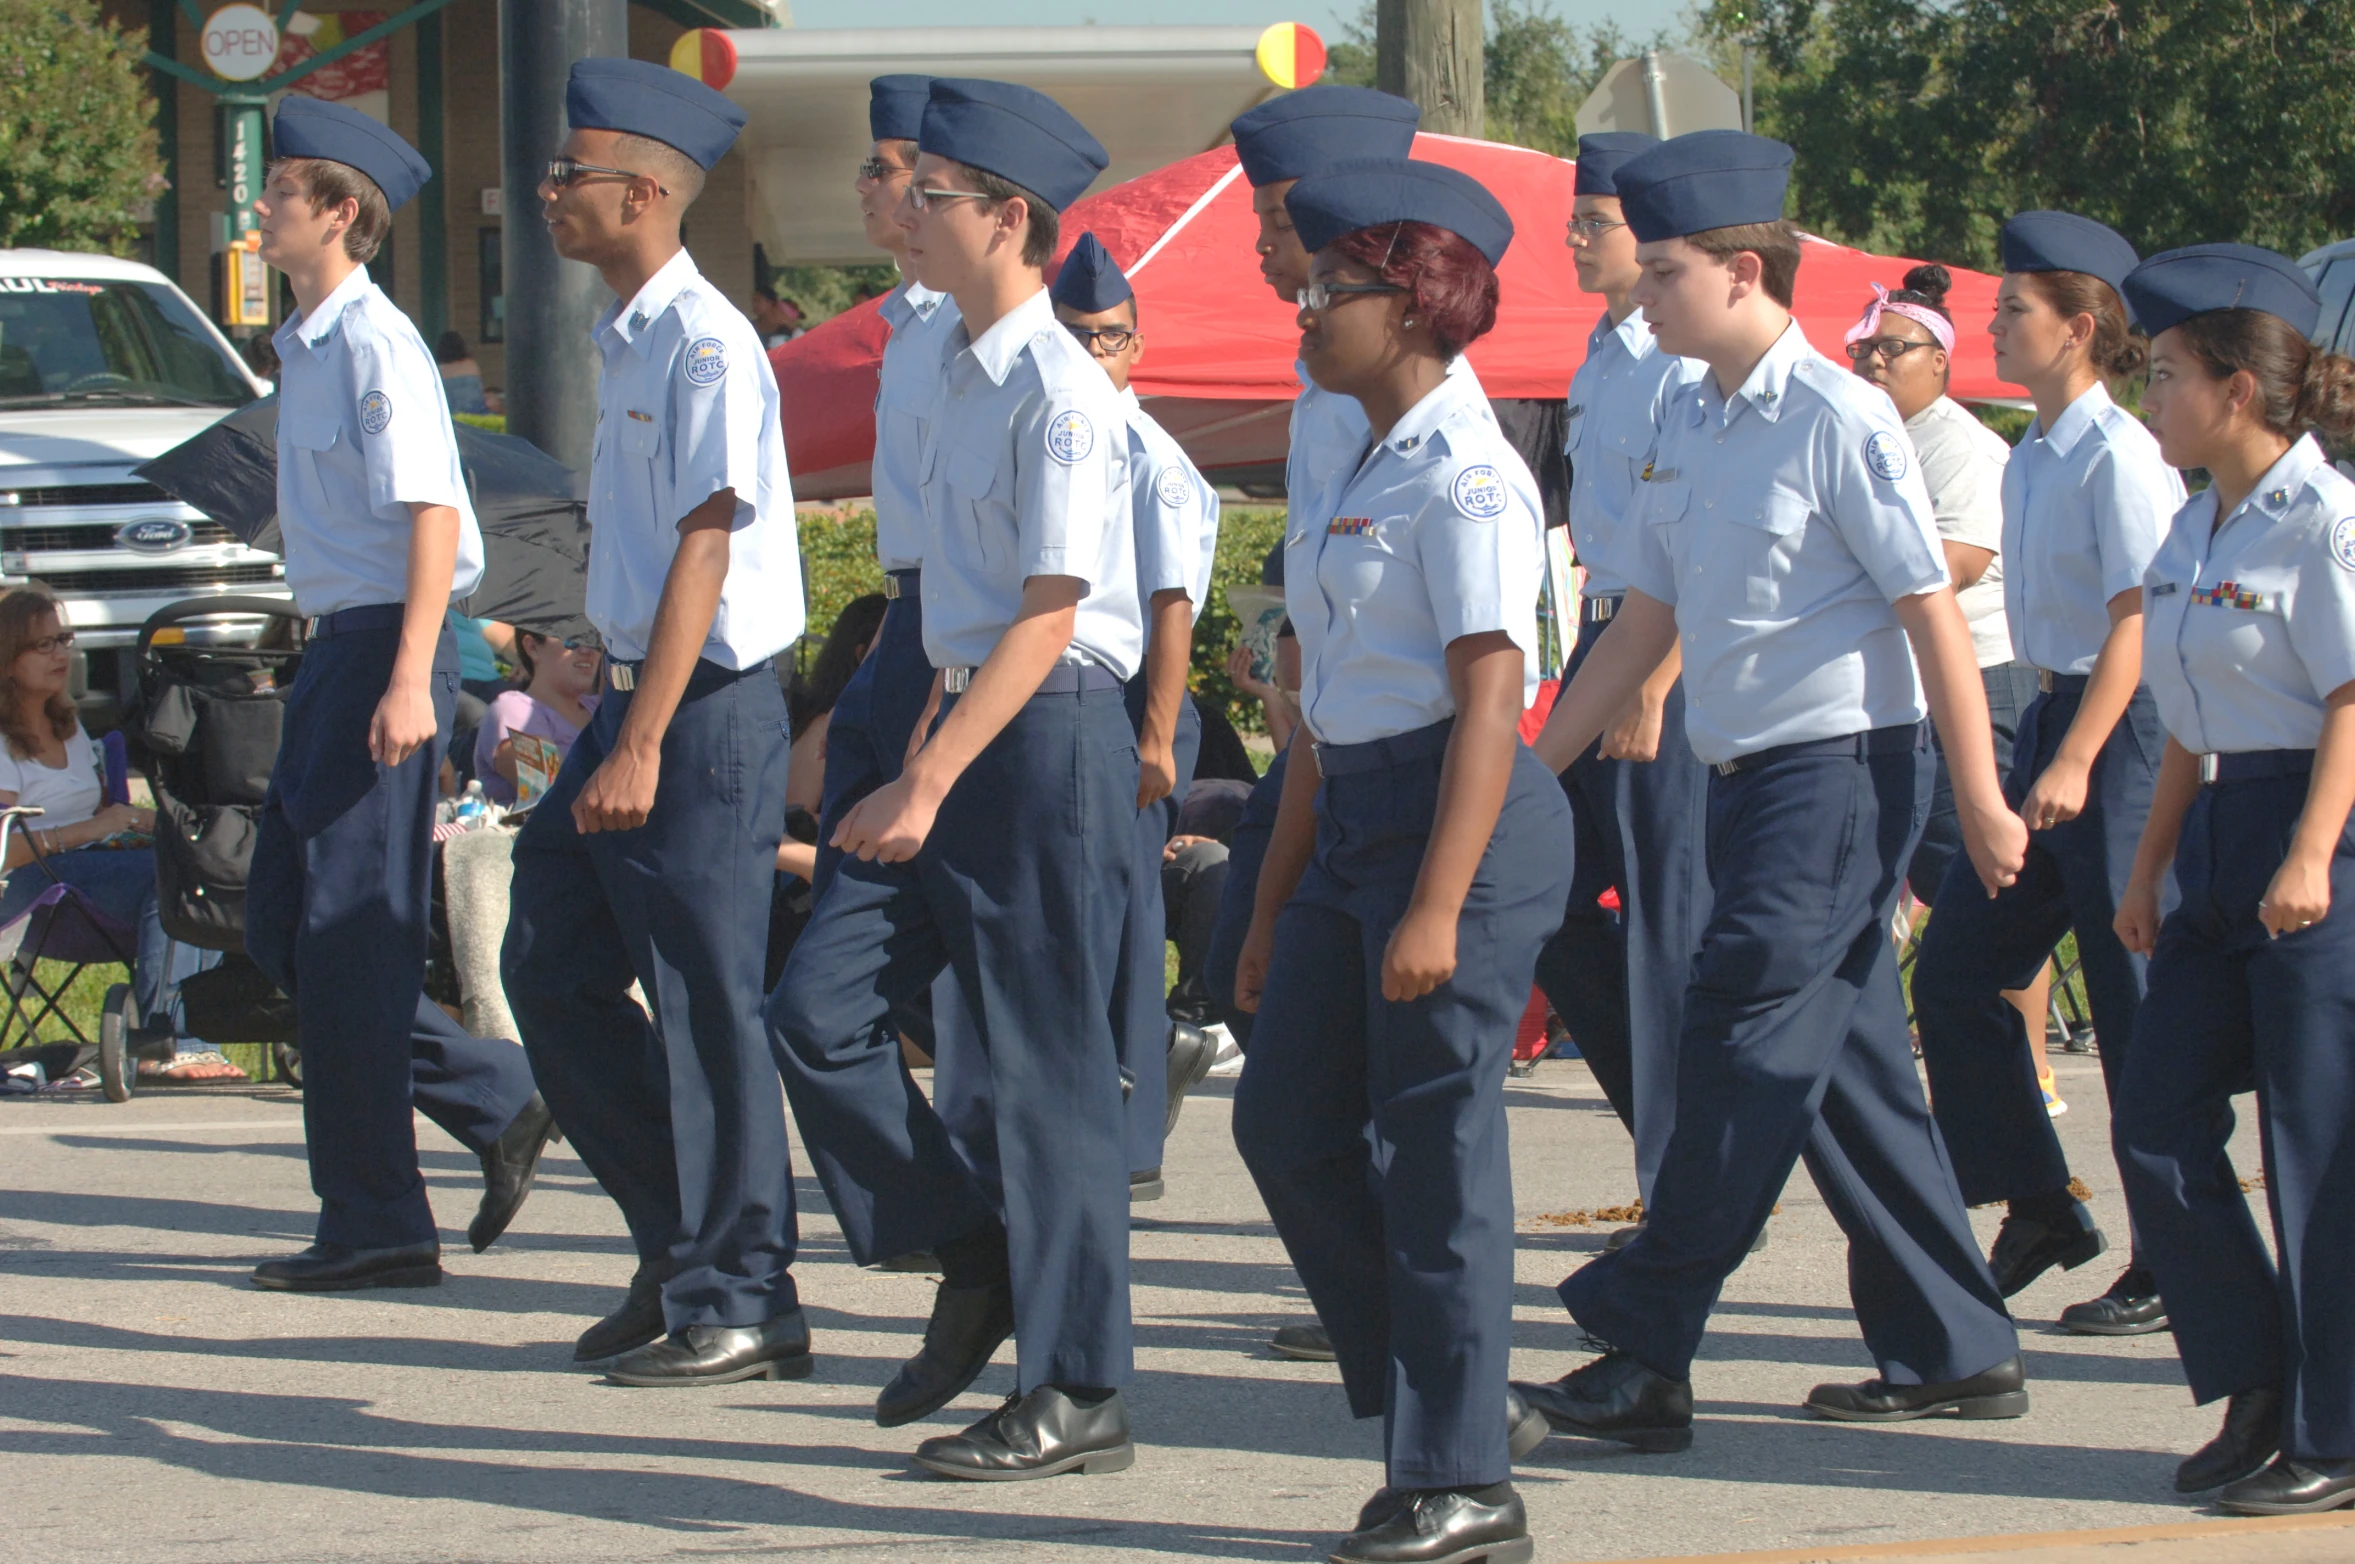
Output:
x=240 y=42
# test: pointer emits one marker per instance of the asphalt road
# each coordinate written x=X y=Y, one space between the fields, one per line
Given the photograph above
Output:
x=154 y=1407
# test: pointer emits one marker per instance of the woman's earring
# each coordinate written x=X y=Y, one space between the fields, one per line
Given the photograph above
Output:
x=1409 y=321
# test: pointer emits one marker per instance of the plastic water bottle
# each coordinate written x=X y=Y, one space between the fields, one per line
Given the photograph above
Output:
x=471 y=805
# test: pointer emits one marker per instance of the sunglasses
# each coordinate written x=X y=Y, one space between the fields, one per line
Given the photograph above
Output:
x=564 y=173
x=1320 y=295
x=875 y=170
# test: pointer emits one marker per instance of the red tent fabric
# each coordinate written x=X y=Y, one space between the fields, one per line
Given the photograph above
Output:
x=1220 y=346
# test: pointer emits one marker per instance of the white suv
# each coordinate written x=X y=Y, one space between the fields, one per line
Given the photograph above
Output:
x=105 y=365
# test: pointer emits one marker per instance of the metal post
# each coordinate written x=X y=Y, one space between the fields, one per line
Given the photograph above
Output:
x=433 y=227
x=1432 y=53
x=1749 y=117
x=551 y=303
x=1656 y=92
x=163 y=38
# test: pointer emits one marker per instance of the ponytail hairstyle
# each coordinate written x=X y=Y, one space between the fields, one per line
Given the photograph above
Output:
x=2117 y=350
x=2299 y=387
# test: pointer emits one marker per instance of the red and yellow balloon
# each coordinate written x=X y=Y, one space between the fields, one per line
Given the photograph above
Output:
x=706 y=54
x=1291 y=54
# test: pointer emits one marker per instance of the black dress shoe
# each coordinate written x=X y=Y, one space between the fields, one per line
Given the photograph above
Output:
x=721 y=1354
x=1525 y=1428
x=1442 y=1526
x=1144 y=1186
x=637 y=1322
x=2292 y=1487
x=1621 y=1237
x=2001 y=1391
x=2243 y=1447
x=2026 y=1247
x=2132 y=1307
x=1303 y=1343
x=1615 y=1397
x=340 y=1268
x=507 y=1172
x=967 y=1325
x=1192 y=1052
x=1042 y=1434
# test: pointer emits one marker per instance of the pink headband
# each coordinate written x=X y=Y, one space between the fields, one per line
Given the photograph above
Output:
x=1929 y=319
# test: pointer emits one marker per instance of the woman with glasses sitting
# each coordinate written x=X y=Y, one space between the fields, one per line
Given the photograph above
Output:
x=102 y=850
x=558 y=697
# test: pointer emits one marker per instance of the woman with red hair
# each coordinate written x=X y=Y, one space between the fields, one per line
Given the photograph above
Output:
x=1421 y=856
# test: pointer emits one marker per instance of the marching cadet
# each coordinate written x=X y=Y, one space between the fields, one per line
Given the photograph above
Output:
x=379 y=538
x=1638 y=796
x=1002 y=850
x=868 y=733
x=2086 y=497
x=1420 y=857
x=654 y=854
x=1784 y=535
x=2250 y=605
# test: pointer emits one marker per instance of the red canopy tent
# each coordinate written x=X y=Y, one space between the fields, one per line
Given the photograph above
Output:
x=1220 y=346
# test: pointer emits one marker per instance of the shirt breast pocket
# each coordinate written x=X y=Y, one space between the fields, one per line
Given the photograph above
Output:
x=313 y=435
x=1766 y=546
x=638 y=468
x=977 y=525
x=1363 y=554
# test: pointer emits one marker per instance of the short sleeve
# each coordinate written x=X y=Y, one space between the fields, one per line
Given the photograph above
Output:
x=12 y=776
x=1475 y=542
x=1166 y=506
x=2322 y=615
x=2132 y=502
x=1879 y=505
x=402 y=419
x=717 y=408
x=1966 y=488
x=1070 y=456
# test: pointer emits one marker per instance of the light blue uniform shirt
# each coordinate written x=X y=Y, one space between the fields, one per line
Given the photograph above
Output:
x=1436 y=535
x=1617 y=400
x=363 y=434
x=1328 y=431
x=1781 y=523
x=920 y=320
x=687 y=407
x=1176 y=513
x=2250 y=626
x=2084 y=507
x=1025 y=473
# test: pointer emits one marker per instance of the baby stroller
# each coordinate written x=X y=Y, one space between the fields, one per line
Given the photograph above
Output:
x=204 y=729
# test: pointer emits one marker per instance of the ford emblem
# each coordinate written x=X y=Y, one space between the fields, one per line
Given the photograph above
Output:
x=155 y=535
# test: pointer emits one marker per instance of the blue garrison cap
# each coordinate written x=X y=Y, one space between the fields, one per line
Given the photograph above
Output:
x=1302 y=131
x=1091 y=281
x=1702 y=180
x=895 y=107
x=2171 y=288
x=1344 y=197
x=313 y=127
x=1600 y=155
x=641 y=98
x=1017 y=133
x=2064 y=242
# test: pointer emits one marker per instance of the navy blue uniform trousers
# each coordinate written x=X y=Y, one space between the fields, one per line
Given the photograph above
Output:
x=1974 y=1043
x=1246 y=851
x=1019 y=890
x=1618 y=984
x=1795 y=1044
x=2230 y=1010
x=1404 y=1235
x=339 y=889
x=867 y=732
x=678 y=1114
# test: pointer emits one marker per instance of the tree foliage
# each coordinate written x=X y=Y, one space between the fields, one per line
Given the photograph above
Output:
x=78 y=150
x=1921 y=124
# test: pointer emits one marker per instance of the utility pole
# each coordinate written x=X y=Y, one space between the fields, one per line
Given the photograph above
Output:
x=1431 y=53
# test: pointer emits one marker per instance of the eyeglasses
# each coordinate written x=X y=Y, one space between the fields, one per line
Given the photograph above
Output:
x=564 y=173
x=1106 y=340
x=921 y=199
x=59 y=642
x=1891 y=349
x=1320 y=295
x=1592 y=227
x=875 y=170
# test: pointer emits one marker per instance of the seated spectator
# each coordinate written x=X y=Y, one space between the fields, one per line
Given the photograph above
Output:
x=559 y=693
x=461 y=376
x=48 y=762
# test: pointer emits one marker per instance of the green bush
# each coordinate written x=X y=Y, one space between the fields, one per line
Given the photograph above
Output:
x=78 y=152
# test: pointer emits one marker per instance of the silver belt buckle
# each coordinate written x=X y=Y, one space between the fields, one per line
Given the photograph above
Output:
x=311 y=625
x=621 y=676
x=2044 y=681
x=955 y=680
x=2210 y=768
x=1601 y=609
x=1726 y=768
x=891 y=587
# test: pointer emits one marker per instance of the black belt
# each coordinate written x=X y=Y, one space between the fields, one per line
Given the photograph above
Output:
x=348 y=621
x=1597 y=610
x=902 y=583
x=1399 y=749
x=2250 y=764
x=2052 y=683
x=1899 y=740
x=1062 y=679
